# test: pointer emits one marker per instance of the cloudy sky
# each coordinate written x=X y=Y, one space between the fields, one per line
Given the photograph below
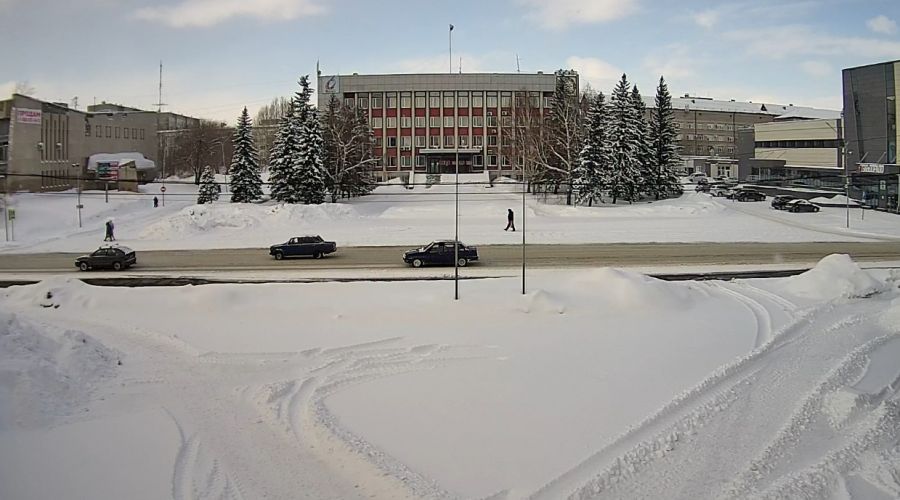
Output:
x=220 y=55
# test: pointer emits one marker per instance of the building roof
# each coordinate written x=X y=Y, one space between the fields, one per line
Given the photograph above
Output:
x=873 y=64
x=779 y=111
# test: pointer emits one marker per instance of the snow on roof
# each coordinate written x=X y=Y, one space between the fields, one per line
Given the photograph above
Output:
x=140 y=162
x=780 y=111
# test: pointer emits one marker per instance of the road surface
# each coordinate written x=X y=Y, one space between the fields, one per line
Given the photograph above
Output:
x=491 y=256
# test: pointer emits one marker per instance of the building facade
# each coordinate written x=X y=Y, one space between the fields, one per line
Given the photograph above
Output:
x=709 y=130
x=421 y=122
x=871 y=108
x=45 y=146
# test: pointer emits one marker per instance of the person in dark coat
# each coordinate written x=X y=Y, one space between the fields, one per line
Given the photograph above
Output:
x=509 y=220
x=155 y=202
x=108 y=236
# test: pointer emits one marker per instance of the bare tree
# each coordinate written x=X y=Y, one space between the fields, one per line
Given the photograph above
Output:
x=265 y=126
x=24 y=88
x=348 y=150
x=206 y=144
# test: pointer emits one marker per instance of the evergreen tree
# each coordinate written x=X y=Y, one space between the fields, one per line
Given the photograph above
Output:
x=209 y=189
x=647 y=181
x=623 y=144
x=664 y=160
x=297 y=172
x=246 y=185
x=281 y=159
x=592 y=175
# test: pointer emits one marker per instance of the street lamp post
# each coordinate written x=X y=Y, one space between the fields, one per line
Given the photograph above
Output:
x=456 y=241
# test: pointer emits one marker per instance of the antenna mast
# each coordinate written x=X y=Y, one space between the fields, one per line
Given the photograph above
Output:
x=159 y=104
x=518 y=69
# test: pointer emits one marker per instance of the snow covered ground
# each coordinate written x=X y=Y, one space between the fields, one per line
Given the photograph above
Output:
x=599 y=383
x=394 y=215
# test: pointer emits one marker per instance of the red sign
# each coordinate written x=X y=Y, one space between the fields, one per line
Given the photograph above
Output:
x=162 y=189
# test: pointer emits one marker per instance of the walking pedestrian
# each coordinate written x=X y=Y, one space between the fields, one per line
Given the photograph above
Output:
x=155 y=202
x=108 y=235
x=509 y=220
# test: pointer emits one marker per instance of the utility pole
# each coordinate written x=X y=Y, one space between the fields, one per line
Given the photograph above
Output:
x=78 y=205
x=456 y=241
x=524 y=190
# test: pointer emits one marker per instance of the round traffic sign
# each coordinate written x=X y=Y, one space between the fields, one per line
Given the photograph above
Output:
x=162 y=189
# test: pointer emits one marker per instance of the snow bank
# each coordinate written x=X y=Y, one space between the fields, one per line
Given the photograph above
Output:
x=834 y=200
x=208 y=218
x=627 y=290
x=45 y=375
x=833 y=277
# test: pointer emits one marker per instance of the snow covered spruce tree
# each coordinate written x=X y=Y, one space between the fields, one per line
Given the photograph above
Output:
x=309 y=164
x=209 y=189
x=623 y=144
x=664 y=159
x=246 y=185
x=296 y=170
x=646 y=180
x=592 y=175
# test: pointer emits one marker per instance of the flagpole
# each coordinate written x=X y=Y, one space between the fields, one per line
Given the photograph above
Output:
x=450 y=37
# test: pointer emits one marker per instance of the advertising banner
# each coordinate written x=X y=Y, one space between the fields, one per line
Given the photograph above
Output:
x=28 y=116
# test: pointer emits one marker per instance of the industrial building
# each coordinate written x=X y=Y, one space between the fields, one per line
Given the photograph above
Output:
x=46 y=146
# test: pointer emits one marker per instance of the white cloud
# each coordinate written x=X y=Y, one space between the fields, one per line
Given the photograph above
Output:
x=707 y=18
x=560 y=14
x=205 y=13
x=817 y=68
x=6 y=88
x=780 y=42
x=882 y=24
x=600 y=74
x=674 y=62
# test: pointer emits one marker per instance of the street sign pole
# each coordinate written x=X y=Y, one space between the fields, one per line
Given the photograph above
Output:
x=162 y=190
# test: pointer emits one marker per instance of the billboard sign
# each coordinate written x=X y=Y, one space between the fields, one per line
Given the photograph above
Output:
x=108 y=170
x=28 y=116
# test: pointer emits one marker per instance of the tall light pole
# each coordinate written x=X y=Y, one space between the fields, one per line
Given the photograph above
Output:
x=524 y=189
x=456 y=240
x=450 y=36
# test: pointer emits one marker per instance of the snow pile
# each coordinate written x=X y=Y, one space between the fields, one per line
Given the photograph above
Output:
x=839 y=200
x=44 y=375
x=626 y=290
x=209 y=218
x=835 y=276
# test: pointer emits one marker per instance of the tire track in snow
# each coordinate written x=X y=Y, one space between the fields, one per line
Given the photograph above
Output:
x=714 y=432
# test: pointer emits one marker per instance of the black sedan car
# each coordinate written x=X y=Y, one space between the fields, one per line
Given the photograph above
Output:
x=312 y=246
x=107 y=257
x=779 y=202
x=749 y=195
x=440 y=253
x=801 y=206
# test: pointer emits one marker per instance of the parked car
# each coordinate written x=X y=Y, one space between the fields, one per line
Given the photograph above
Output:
x=721 y=189
x=801 y=206
x=440 y=253
x=779 y=202
x=312 y=246
x=107 y=257
x=749 y=195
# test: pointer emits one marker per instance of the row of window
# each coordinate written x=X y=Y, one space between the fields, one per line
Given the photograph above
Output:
x=710 y=138
x=704 y=126
x=706 y=150
x=436 y=121
x=804 y=144
x=447 y=100
x=405 y=142
x=117 y=132
x=477 y=160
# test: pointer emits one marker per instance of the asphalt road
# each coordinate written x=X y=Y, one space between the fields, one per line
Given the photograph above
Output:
x=499 y=256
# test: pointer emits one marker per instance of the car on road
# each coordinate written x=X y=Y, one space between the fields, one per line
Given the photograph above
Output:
x=113 y=257
x=440 y=253
x=801 y=206
x=779 y=202
x=311 y=246
x=721 y=189
x=749 y=195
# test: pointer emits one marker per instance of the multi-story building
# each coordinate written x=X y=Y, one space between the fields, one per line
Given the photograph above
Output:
x=709 y=129
x=798 y=152
x=871 y=108
x=46 y=146
x=421 y=122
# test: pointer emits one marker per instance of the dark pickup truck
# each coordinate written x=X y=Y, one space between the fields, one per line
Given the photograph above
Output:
x=440 y=253
x=313 y=246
